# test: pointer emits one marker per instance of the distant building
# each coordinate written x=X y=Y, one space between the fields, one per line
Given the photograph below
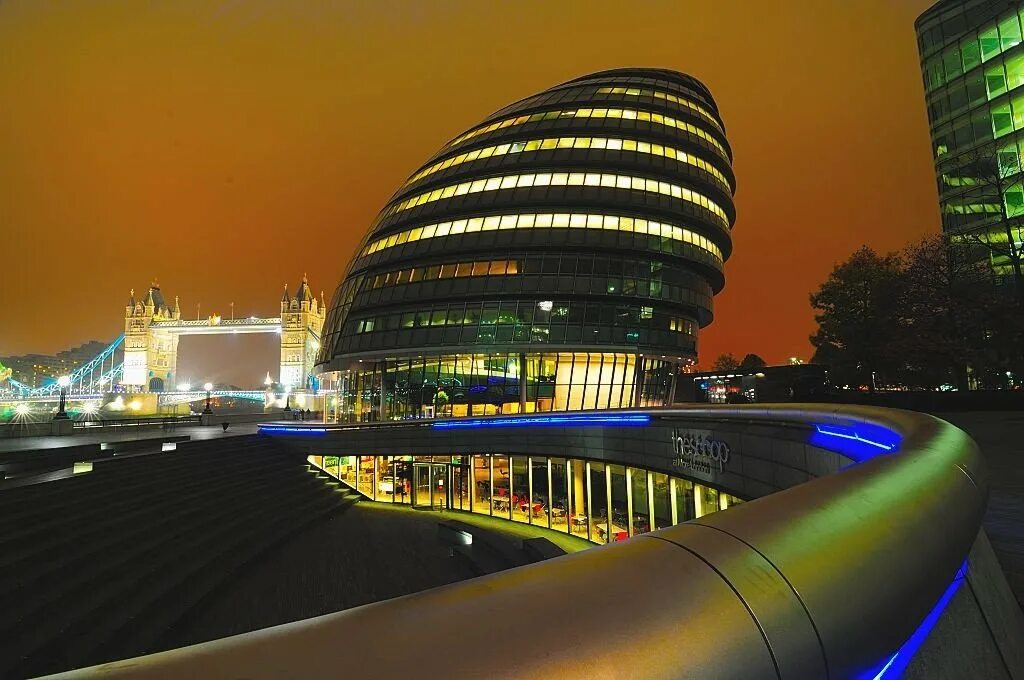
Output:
x=791 y=382
x=972 y=60
x=36 y=370
x=150 y=354
x=302 y=318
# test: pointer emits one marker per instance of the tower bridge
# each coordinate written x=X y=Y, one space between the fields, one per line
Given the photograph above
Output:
x=152 y=328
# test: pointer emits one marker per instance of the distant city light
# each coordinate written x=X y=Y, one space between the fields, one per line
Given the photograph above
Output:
x=545 y=305
x=184 y=387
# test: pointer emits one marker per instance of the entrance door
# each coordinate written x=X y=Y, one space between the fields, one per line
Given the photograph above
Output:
x=421 y=485
x=431 y=483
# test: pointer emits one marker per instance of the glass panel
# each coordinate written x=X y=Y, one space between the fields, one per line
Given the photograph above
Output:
x=578 y=498
x=685 y=504
x=662 y=506
x=539 y=482
x=1015 y=71
x=461 y=481
x=366 y=476
x=989 y=43
x=995 y=80
x=598 y=503
x=620 y=514
x=1009 y=32
x=707 y=499
x=559 y=495
x=970 y=52
x=502 y=496
x=481 y=485
x=386 y=485
x=522 y=505
x=403 y=480
x=641 y=521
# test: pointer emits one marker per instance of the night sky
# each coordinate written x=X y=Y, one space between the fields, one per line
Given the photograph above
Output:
x=224 y=148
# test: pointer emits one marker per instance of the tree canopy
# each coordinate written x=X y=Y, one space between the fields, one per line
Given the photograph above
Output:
x=928 y=316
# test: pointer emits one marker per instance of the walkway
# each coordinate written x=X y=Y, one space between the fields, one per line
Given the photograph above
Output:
x=999 y=434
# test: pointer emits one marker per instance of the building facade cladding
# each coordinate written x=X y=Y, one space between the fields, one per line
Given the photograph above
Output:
x=972 y=62
x=560 y=255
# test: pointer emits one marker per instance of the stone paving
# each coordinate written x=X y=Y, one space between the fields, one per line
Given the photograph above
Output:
x=1001 y=438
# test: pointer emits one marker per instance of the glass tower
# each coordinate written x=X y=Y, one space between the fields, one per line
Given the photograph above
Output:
x=560 y=255
x=972 y=61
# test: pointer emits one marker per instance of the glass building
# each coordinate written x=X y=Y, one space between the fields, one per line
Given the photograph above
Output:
x=972 y=61
x=560 y=255
x=599 y=501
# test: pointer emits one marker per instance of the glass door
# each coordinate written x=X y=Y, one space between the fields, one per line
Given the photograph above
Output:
x=421 y=485
x=442 y=486
x=431 y=485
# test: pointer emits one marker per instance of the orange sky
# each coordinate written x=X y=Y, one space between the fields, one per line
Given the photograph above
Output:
x=224 y=148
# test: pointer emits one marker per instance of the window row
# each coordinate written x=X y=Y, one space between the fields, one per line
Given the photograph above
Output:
x=476 y=384
x=981 y=126
x=697 y=294
x=457 y=337
x=538 y=263
x=444 y=271
x=681 y=325
x=973 y=50
x=667 y=96
x=611 y=144
x=561 y=179
x=524 y=312
x=625 y=114
x=546 y=221
x=601 y=502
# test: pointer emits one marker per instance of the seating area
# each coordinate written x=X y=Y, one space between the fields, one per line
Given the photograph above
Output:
x=107 y=565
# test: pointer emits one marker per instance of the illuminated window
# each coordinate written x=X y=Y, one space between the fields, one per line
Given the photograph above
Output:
x=576 y=143
x=667 y=96
x=630 y=114
x=556 y=179
x=562 y=221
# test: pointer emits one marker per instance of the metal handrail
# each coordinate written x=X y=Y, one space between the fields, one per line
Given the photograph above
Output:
x=826 y=579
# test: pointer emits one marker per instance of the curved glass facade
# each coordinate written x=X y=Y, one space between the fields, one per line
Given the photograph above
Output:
x=599 y=501
x=972 y=64
x=560 y=255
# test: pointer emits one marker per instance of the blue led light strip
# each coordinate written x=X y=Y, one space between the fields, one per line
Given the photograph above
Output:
x=833 y=432
x=898 y=662
x=531 y=421
x=285 y=429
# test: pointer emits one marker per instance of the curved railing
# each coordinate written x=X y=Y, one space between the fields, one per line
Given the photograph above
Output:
x=826 y=579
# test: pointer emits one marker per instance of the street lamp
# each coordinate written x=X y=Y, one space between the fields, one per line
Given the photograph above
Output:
x=288 y=398
x=209 y=388
x=63 y=382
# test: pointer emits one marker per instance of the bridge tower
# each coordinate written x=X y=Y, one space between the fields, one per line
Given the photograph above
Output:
x=302 y=319
x=150 y=354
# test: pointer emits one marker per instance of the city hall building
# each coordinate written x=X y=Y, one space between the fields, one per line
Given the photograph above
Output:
x=560 y=256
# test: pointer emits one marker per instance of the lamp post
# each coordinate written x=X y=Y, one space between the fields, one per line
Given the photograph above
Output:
x=63 y=382
x=288 y=399
x=209 y=388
